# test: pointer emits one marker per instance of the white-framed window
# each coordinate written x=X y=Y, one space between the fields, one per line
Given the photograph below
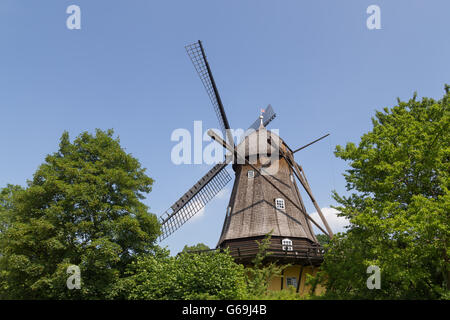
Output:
x=291 y=281
x=292 y=178
x=279 y=204
x=250 y=174
x=286 y=244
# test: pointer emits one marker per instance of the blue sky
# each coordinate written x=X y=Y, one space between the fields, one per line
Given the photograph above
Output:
x=316 y=62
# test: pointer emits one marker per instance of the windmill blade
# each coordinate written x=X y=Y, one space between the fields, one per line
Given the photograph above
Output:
x=194 y=199
x=307 y=145
x=198 y=57
x=268 y=116
x=300 y=174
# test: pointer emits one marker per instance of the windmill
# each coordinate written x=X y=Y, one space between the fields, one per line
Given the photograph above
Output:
x=261 y=201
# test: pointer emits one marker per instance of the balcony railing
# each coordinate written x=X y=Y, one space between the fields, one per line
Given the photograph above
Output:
x=307 y=252
x=312 y=252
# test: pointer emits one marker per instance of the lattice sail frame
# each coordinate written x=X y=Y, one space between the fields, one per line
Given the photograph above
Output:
x=195 y=53
x=194 y=200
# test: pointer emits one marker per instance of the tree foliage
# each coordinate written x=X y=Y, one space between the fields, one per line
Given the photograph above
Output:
x=196 y=248
x=261 y=272
x=323 y=239
x=205 y=275
x=208 y=275
x=83 y=207
x=399 y=209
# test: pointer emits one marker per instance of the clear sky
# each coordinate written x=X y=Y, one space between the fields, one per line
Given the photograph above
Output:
x=316 y=62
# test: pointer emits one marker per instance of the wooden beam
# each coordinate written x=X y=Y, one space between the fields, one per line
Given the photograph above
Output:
x=319 y=211
x=299 y=279
x=302 y=178
x=307 y=145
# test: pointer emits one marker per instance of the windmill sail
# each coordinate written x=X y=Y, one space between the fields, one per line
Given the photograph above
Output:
x=210 y=184
x=198 y=57
x=194 y=199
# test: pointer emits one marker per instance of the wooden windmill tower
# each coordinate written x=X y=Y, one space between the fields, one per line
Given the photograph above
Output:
x=265 y=197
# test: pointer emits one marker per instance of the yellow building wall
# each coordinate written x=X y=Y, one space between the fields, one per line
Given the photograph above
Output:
x=294 y=272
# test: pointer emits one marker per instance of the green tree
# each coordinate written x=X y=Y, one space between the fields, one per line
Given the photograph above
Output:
x=205 y=275
x=197 y=247
x=208 y=275
x=6 y=210
x=259 y=275
x=322 y=239
x=83 y=207
x=399 y=208
x=7 y=205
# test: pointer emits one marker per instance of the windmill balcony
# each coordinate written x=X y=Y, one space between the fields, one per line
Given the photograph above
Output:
x=302 y=251
x=307 y=254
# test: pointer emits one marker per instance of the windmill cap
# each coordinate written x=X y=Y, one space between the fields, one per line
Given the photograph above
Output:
x=256 y=143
